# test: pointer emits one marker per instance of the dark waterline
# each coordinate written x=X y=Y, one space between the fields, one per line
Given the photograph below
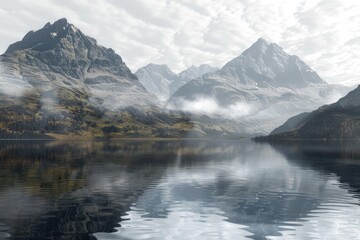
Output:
x=187 y=189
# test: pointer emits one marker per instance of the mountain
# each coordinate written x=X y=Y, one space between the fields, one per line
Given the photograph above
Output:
x=57 y=82
x=195 y=72
x=266 y=64
x=256 y=91
x=60 y=55
x=157 y=79
x=340 y=120
x=291 y=124
x=162 y=82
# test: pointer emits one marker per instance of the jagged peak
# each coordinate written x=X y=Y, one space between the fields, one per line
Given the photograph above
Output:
x=262 y=41
x=192 y=67
x=58 y=25
x=258 y=48
x=48 y=24
x=47 y=35
x=160 y=65
x=62 y=22
x=274 y=46
x=200 y=67
x=205 y=65
x=155 y=65
x=164 y=69
x=269 y=64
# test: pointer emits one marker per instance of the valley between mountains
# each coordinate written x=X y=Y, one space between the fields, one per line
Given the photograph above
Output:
x=59 y=83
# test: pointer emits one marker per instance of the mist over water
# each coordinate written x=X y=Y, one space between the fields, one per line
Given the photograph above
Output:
x=179 y=190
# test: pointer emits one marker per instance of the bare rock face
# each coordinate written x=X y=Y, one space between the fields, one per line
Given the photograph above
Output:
x=60 y=55
x=64 y=48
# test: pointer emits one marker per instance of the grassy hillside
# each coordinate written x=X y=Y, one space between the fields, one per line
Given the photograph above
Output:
x=65 y=114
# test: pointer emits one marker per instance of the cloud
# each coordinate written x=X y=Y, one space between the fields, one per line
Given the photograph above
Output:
x=183 y=32
x=209 y=106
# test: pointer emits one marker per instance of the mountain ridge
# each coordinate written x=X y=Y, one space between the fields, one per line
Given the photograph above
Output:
x=161 y=81
x=339 y=120
x=57 y=82
x=264 y=82
x=60 y=55
x=263 y=64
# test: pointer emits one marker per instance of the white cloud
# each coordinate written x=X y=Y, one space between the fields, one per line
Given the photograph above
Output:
x=325 y=33
x=210 y=107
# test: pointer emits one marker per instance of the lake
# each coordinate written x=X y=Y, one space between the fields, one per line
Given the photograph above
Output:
x=183 y=189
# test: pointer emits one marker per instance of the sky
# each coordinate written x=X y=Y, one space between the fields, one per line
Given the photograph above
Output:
x=181 y=33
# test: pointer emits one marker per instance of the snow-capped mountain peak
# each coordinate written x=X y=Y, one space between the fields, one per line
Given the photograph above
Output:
x=266 y=64
x=257 y=49
x=263 y=83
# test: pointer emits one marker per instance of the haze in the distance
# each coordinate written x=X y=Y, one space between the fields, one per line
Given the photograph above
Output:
x=180 y=33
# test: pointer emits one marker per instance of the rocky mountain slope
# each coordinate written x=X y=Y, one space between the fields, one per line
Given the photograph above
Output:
x=340 y=120
x=60 y=55
x=193 y=72
x=256 y=91
x=57 y=82
x=161 y=81
x=266 y=64
x=157 y=79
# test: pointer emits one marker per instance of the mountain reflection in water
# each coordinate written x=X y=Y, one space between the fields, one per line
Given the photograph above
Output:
x=225 y=189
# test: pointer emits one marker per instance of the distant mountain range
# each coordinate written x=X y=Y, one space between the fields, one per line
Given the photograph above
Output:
x=266 y=64
x=162 y=82
x=59 y=83
x=257 y=91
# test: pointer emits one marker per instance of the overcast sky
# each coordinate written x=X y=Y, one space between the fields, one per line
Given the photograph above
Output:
x=180 y=33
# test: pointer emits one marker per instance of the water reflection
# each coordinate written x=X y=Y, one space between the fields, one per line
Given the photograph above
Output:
x=179 y=190
x=341 y=158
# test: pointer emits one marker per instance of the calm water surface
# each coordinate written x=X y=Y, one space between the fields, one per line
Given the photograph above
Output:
x=225 y=189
